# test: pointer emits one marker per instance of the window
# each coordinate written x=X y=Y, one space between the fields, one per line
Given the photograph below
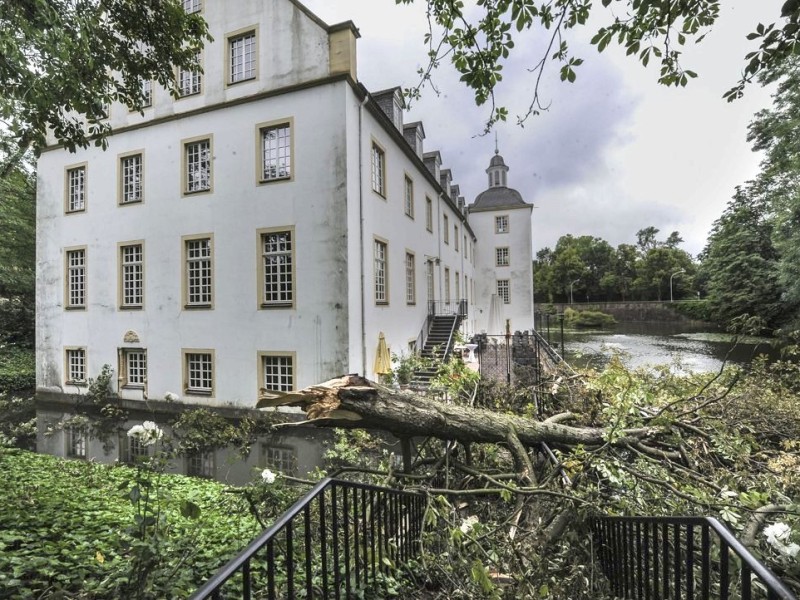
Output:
x=455 y=236
x=504 y=290
x=466 y=288
x=131 y=275
x=147 y=93
x=77 y=438
x=198 y=377
x=76 y=189
x=378 y=170
x=428 y=214
x=133 y=367
x=275 y=150
x=280 y=460
x=458 y=286
x=446 y=284
x=429 y=278
x=190 y=81
x=197 y=166
x=242 y=57
x=192 y=6
x=409 y=197
x=76 y=278
x=132 y=450
x=446 y=229
x=200 y=464
x=411 y=275
x=277 y=269
x=466 y=248
x=130 y=178
x=76 y=365
x=381 y=272
x=277 y=371
x=501 y=224
x=501 y=258
x=198 y=272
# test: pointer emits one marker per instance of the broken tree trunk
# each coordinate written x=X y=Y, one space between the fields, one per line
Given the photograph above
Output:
x=352 y=400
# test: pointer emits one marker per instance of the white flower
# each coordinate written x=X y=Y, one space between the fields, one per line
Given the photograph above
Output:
x=777 y=536
x=148 y=433
x=468 y=523
x=268 y=476
x=170 y=397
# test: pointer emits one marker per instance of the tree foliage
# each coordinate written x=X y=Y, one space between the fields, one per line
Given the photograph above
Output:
x=479 y=42
x=64 y=61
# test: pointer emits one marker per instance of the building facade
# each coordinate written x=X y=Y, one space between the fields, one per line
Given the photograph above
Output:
x=259 y=231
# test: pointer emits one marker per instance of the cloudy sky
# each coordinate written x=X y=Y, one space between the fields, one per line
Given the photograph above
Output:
x=615 y=152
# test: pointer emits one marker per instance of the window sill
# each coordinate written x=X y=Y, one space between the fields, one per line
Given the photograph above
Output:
x=275 y=180
x=75 y=307
x=277 y=305
x=198 y=306
x=129 y=202
x=379 y=193
x=238 y=81
x=196 y=192
x=77 y=383
x=75 y=212
x=194 y=392
x=132 y=307
x=133 y=386
x=182 y=96
x=381 y=303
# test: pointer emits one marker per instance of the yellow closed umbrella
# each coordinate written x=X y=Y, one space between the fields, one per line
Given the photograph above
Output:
x=383 y=361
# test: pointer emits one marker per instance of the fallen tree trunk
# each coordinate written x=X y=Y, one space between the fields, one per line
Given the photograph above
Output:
x=352 y=400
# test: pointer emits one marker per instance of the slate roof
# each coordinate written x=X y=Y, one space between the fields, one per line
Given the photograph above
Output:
x=498 y=197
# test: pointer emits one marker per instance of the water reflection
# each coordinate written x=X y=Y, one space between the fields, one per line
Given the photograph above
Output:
x=693 y=348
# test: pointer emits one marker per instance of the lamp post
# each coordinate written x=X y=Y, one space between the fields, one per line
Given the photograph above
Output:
x=670 y=282
x=570 y=289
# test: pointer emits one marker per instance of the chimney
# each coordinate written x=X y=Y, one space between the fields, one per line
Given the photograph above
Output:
x=414 y=134
x=445 y=178
x=433 y=162
x=391 y=102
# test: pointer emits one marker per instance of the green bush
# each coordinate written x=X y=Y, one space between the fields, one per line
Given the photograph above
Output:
x=587 y=318
x=17 y=369
x=697 y=310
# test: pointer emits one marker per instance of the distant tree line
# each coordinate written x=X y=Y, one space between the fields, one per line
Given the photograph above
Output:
x=750 y=266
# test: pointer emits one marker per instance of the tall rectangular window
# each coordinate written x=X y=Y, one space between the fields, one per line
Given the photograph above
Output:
x=466 y=248
x=190 y=81
x=501 y=256
x=378 y=170
x=76 y=189
x=501 y=224
x=198 y=273
x=381 y=256
x=76 y=365
x=200 y=464
x=411 y=279
x=132 y=450
x=280 y=460
x=275 y=148
x=455 y=236
x=277 y=372
x=409 y=197
x=504 y=290
x=197 y=166
x=446 y=229
x=199 y=372
x=457 y=281
x=147 y=93
x=242 y=54
x=131 y=266
x=192 y=6
x=446 y=284
x=77 y=438
x=133 y=367
x=76 y=278
x=429 y=280
x=428 y=214
x=130 y=178
x=277 y=269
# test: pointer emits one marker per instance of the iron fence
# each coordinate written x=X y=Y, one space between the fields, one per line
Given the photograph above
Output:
x=680 y=557
x=336 y=540
x=448 y=307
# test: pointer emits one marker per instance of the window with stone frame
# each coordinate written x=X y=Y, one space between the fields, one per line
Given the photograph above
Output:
x=199 y=372
x=378 y=170
x=280 y=459
x=76 y=278
x=200 y=464
x=132 y=449
x=131 y=170
x=133 y=367
x=504 y=290
x=276 y=152
x=501 y=224
x=198 y=269
x=76 y=366
x=277 y=372
x=381 y=257
x=147 y=93
x=77 y=440
x=446 y=284
x=411 y=279
x=501 y=256
x=190 y=81
x=197 y=166
x=446 y=228
x=428 y=214
x=131 y=265
x=242 y=56
x=76 y=189
x=277 y=265
x=192 y=6
x=455 y=237
x=409 y=197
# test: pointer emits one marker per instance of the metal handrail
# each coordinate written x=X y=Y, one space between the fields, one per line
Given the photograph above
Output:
x=357 y=534
x=642 y=560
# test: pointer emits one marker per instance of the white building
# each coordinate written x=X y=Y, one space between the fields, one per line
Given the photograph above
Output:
x=260 y=231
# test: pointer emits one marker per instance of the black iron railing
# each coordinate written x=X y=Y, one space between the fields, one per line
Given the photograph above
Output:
x=680 y=557
x=452 y=307
x=336 y=540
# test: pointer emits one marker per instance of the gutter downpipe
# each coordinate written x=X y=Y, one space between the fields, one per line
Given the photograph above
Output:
x=361 y=237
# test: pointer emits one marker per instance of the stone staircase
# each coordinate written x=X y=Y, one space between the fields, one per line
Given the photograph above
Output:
x=438 y=346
